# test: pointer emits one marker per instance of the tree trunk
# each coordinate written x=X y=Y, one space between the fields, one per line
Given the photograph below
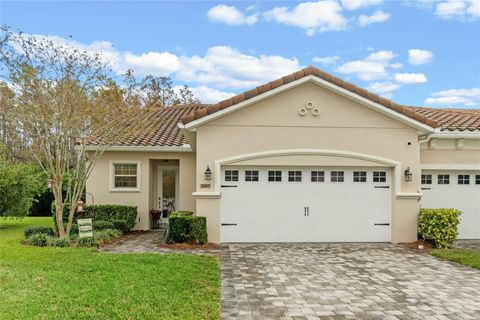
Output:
x=59 y=211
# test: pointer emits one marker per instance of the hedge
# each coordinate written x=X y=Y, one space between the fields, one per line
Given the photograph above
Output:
x=102 y=225
x=186 y=228
x=31 y=230
x=439 y=226
x=111 y=212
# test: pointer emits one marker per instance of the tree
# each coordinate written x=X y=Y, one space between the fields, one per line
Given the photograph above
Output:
x=55 y=111
x=158 y=91
x=185 y=96
x=19 y=184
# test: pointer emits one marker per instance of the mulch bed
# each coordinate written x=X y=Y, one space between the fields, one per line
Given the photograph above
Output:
x=427 y=246
x=190 y=246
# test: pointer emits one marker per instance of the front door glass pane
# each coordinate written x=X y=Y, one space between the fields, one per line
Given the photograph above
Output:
x=168 y=193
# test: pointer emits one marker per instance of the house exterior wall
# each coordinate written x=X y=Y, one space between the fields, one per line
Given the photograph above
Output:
x=342 y=125
x=99 y=182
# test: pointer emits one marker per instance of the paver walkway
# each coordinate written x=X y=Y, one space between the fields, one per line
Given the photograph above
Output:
x=148 y=242
x=344 y=281
x=469 y=244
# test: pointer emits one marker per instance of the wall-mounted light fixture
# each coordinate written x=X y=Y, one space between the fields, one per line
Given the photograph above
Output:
x=49 y=184
x=208 y=173
x=408 y=174
x=80 y=206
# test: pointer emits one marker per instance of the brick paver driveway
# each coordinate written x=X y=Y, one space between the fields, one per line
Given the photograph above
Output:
x=344 y=281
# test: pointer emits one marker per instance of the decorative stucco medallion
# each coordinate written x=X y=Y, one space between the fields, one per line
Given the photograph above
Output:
x=309 y=107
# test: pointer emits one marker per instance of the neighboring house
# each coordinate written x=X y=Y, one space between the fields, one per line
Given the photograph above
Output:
x=305 y=158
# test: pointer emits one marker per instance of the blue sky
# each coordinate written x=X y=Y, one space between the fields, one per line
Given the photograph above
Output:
x=414 y=52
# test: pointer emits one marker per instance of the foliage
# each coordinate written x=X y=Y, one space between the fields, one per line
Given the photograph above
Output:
x=19 y=184
x=111 y=212
x=182 y=213
x=121 y=225
x=35 y=282
x=184 y=228
x=38 y=239
x=106 y=235
x=87 y=242
x=467 y=257
x=60 y=242
x=102 y=225
x=439 y=226
x=31 y=230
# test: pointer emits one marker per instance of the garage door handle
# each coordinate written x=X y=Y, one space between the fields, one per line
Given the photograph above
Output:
x=229 y=224
x=308 y=211
x=225 y=186
x=426 y=188
x=382 y=187
x=382 y=224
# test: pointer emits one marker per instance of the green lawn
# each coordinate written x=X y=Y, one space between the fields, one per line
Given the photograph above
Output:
x=466 y=257
x=80 y=283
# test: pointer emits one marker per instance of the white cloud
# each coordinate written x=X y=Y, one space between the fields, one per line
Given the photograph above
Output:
x=320 y=16
x=378 y=16
x=210 y=95
x=372 y=68
x=326 y=60
x=460 y=9
x=465 y=97
x=418 y=56
x=410 y=78
x=357 y=4
x=159 y=63
x=383 y=87
x=226 y=67
x=230 y=16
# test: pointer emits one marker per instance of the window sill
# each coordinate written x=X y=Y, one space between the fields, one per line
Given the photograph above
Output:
x=125 y=190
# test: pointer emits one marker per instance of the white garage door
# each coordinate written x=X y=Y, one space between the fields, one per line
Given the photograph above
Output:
x=455 y=189
x=305 y=205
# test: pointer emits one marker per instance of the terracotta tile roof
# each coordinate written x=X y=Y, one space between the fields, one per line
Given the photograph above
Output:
x=310 y=70
x=452 y=119
x=147 y=127
x=158 y=126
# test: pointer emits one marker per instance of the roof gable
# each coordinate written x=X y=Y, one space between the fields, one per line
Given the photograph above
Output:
x=402 y=113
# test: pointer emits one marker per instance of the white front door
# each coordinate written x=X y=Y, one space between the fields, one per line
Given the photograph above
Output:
x=266 y=204
x=455 y=189
x=167 y=188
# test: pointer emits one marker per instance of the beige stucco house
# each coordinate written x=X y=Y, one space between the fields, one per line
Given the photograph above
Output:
x=305 y=158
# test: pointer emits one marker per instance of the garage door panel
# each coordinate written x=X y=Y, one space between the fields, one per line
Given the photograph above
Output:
x=453 y=195
x=266 y=211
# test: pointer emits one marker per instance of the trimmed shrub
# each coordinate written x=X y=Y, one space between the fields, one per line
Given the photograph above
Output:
x=38 y=239
x=60 y=242
x=182 y=213
x=102 y=225
x=87 y=242
x=439 y=226
x=183 y=228
x=121 y=225
x=31 y=230
x=110 y=213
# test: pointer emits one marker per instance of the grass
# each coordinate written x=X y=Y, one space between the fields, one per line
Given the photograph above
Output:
x=467 y=257
x=81 y=283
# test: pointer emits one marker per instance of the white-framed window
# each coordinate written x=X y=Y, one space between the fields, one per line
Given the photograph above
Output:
x=359 y=176
x=317 y=176
x=125 y=175
x=337 y=176
x=426 y=179
x=379 y=176
x=443 y=179
x=463 y=179
x=274 y=176
x=251 y=175
x=294 y=176
x=231 y=175
x=477 y=179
